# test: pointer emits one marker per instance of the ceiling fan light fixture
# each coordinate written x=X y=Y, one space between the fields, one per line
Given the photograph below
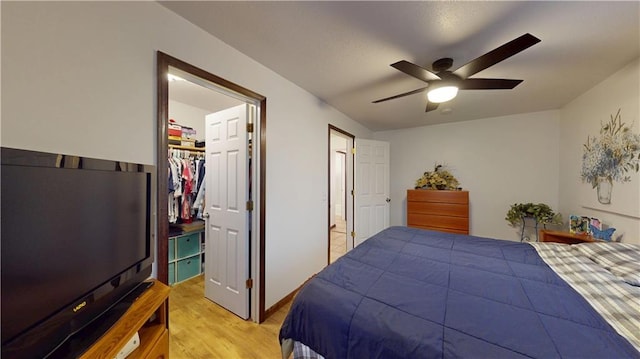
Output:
x=442 y=94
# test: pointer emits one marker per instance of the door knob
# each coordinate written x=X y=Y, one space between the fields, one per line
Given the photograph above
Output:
x=388 y=199
x=206 y=215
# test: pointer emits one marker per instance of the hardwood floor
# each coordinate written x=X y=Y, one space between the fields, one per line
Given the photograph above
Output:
x=200 y=328
x=338 y=240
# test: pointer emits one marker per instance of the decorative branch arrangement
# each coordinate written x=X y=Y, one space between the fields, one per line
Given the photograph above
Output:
x=439 y=179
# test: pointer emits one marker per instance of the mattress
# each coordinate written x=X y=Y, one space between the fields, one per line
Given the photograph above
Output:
x=411 y=293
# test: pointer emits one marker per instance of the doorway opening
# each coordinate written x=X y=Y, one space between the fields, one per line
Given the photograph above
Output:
x=338 y=233
x=205 y=84
x=340 y=176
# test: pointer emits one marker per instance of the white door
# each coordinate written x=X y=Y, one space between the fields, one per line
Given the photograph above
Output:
x=371 y=188
x=226 y=196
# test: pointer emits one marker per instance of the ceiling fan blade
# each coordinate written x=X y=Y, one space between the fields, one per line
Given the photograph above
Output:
x=402 y=95
x=488 y=84
x=431 y=106
x=493 y=57
x=415 y=71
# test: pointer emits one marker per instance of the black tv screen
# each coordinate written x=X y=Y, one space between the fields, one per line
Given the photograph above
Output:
x=75 y=240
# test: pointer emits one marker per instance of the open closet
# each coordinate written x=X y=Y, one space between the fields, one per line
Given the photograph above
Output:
x=189 y=104
x=185 y=205
x=209 y=180
x=218 y=238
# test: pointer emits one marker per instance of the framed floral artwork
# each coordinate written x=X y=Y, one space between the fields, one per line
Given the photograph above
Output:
x=610 y=165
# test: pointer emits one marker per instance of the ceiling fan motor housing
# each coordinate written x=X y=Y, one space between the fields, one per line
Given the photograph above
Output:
x=442 y=64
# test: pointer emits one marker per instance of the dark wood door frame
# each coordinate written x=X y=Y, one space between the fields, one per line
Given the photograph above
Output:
x=353 y=138
x=164 y=62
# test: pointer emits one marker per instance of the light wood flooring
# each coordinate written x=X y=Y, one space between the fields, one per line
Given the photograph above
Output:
x=338 y=240
x=200 y=329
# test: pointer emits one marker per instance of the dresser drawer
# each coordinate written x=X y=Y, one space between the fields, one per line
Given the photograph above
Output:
x=438 y=208
x=188 y=245
x=438 y=223
x=188 y=267
x=422 y=195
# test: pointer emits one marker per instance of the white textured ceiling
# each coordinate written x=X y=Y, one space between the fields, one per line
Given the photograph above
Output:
x=199 y=96
x=341 y=51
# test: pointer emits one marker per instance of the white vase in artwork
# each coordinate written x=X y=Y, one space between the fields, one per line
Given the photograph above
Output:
x=605 y=185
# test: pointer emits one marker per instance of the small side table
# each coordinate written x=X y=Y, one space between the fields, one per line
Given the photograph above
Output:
x=564 y=237
x=524 y=224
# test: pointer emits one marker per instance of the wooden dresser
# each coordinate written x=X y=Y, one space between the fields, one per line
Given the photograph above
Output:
x=445 y=211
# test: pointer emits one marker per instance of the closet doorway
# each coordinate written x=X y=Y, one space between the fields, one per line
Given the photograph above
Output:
x=186 y=97
x=340 y=178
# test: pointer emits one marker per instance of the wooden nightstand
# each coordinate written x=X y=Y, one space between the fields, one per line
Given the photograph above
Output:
x=564 y=237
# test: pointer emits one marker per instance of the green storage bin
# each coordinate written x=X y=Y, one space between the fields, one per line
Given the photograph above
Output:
x=188 y=245
x=172 y=249
x=188 y=267
x=172 y=273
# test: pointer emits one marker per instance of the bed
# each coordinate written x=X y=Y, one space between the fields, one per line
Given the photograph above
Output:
x=412 y=293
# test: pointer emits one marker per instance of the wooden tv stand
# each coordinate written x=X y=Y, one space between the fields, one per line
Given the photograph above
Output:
x=148 y=316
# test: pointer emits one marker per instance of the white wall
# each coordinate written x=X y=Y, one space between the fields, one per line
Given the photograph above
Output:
x=79 y=77
x=582 y=117
x=500 y=161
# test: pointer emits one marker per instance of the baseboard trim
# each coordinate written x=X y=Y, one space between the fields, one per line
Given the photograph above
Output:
x=284 y=301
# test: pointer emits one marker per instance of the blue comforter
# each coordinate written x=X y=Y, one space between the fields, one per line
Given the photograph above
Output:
x=411 y=293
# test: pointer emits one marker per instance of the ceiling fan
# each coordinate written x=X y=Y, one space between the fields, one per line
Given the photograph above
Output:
x=443 y=84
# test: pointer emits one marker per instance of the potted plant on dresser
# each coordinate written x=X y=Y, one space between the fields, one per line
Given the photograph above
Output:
x=438 y=203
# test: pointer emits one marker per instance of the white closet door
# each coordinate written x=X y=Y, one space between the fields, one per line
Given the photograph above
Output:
x=227 y=234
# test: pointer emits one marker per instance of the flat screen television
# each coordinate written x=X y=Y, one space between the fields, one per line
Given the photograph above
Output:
x=76 y=240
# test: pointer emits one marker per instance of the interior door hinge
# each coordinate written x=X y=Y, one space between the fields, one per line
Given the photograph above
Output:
x=353 y=234
x=249 y=283
x=250 y=127
x=249 y=205
x=353 y=150
x=353 y=192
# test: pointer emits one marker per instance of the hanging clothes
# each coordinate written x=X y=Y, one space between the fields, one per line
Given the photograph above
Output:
x=185 y=173
x=187 y=180
x=198 y=203
x=175 y=190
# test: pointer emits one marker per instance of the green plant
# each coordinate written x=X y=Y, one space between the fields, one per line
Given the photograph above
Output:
x=541 y=212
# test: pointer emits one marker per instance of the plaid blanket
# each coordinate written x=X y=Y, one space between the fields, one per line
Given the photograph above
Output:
x=301 y=351
x=597 y=271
